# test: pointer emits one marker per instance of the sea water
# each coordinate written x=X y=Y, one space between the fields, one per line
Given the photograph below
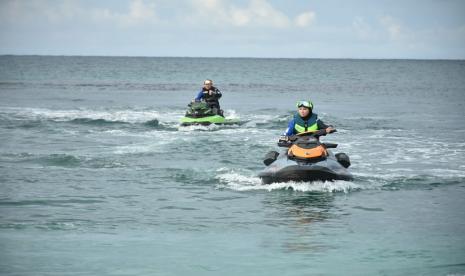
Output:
x=98 y=178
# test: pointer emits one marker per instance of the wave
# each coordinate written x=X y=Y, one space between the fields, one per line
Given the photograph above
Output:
x=363 y=122
x=59 y=160
x=118 y=115
x=63 y=160
x=100 y=85
x=420 y=182
x=21 y=124
x=139 y=86
x=96 y=122
x=57 y=224
x=262 y=119
x=49 y=202
x=152 y=123
x=243 y=180
x=38 y=117
x=155 y=119
x=267 y=121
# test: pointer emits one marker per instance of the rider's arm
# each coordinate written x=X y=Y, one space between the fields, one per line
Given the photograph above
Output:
x=321 y=124
x=324 y=128
x=218 y=93
x=199 y=96
x=290 y=128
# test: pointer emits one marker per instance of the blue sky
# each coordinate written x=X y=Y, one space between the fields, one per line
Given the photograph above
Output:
x=429 y=29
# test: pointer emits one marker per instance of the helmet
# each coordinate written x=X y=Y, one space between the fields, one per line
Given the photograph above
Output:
x=208 y=82
x=307 y=104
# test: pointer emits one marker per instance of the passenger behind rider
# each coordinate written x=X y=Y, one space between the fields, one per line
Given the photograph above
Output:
x=305 y=120
x=210 y=95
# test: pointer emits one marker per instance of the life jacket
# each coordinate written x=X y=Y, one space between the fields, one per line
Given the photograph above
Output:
x=211 y=98
x=302 y=125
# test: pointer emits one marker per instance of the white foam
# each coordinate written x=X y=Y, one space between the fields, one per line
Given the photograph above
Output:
x=445 y=173
x=252 y=120
x=198 y=127
x=231 y=114
x=113 y=132
x=240 y=182
x=124 y=115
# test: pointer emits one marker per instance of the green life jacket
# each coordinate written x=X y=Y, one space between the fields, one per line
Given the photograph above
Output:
x=302 y=126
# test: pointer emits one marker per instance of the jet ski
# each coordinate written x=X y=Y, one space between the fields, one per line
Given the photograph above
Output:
x=306 y=159
x=199 y=113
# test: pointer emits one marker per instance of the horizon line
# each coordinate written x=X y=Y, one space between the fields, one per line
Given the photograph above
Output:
x=232 y=57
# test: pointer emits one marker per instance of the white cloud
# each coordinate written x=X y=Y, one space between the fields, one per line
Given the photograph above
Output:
x=139 y=12
x=305 y=19
x=265 y=14
x=65 y=10
x=210 y=5
x=254 y=13
x=239 y=27
x=40 y=12
x=383 y=29
x=18 y=12
x=258 y=13
x=361 y=28
x=392 y=26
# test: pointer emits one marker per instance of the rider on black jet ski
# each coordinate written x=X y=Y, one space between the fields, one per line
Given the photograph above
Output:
x=305 y=120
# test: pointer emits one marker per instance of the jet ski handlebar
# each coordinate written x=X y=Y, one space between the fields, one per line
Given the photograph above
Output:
x=287 y=141
x=315 y=133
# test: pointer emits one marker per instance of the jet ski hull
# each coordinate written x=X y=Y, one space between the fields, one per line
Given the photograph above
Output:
x=215 y=119
x=285 y=169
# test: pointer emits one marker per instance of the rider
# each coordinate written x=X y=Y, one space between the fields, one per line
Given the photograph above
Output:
x=305 y=120
x=210 y=95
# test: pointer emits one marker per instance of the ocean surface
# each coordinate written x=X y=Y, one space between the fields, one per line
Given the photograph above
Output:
x=98 y=178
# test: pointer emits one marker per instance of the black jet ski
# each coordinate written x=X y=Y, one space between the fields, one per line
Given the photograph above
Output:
x=307 y=159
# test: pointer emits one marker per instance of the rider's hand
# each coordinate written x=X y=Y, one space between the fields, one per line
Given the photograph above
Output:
x=210 y=92
x=330 y=129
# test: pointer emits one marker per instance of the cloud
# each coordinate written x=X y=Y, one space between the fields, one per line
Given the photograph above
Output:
x=258 y=13
x=139 y=13
x=228 y=28
x=392 y=26
x=305 y=19
x=219 y=14
x=362 y=28
x=50 y=13
x=264 y=14
x=382 y=29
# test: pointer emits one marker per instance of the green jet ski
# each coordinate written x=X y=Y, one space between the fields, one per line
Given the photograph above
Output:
x=199 y=113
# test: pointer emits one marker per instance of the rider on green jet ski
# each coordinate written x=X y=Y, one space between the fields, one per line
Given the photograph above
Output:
x=305 y=120
x=210 y=95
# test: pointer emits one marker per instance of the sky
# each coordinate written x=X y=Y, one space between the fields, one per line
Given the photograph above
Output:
x=401 y=29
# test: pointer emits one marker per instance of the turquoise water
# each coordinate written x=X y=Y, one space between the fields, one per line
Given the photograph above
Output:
x=97 y=177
